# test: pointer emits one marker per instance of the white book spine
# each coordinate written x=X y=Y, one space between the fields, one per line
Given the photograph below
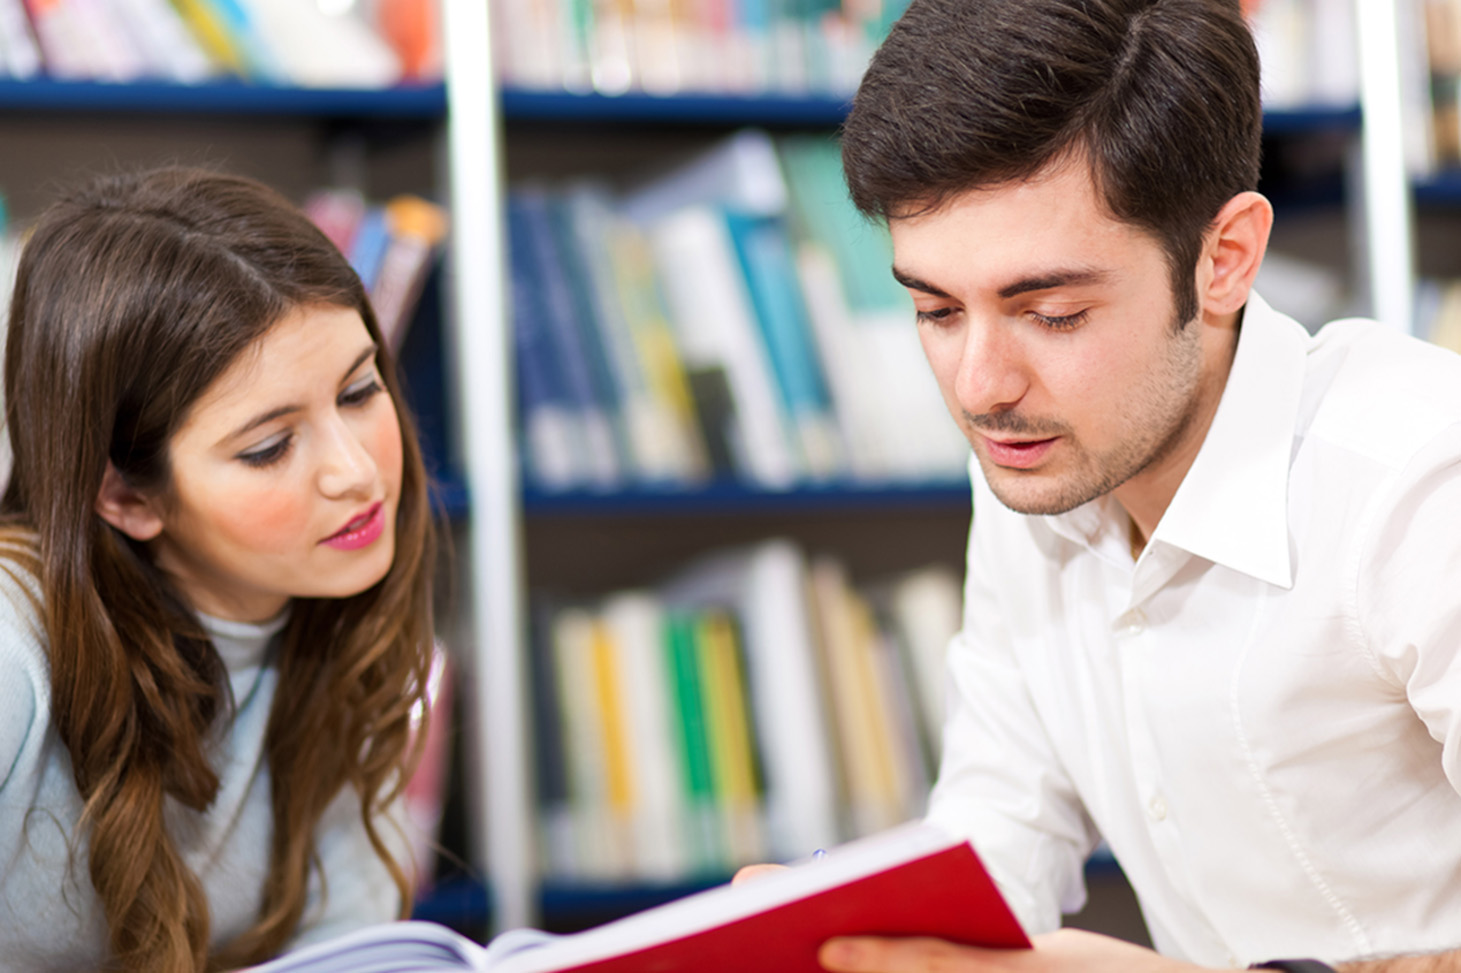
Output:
x=660 y=844
x=801 y=780
x=714 y=322
x=21 y=54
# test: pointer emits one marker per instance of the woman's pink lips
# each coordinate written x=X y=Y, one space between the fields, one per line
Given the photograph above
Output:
x=1018 y=455
x=353 y=537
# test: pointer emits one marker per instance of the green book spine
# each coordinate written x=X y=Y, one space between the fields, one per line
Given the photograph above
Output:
x=688 y=704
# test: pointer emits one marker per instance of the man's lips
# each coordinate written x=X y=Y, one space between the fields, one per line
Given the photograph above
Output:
x=1021 y=454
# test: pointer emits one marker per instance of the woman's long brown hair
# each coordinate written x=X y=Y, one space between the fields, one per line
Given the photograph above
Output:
x=132 y=298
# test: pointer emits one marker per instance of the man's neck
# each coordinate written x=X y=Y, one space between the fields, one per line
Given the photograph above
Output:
x=1146 y=496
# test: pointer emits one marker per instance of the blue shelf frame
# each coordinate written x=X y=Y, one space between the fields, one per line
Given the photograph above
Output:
x=778 y=110
x=230 y=97
x=732 y=497
x=1443 y=189
x=429 y=101
x=1312 y=120
x=774 y=109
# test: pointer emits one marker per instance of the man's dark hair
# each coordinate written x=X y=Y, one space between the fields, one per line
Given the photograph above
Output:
x=1159 y=97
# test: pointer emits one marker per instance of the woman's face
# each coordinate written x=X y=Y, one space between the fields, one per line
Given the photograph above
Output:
x=286 y=474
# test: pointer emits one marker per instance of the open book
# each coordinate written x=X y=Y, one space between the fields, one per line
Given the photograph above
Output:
x=912 y=881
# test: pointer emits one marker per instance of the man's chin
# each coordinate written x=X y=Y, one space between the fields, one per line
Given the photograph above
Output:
x=1037 y=494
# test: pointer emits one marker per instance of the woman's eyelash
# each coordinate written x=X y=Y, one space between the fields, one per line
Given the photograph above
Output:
x=270 y=454
x=361 y=393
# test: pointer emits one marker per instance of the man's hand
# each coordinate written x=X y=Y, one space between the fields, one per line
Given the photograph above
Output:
x=750 y=873
x=1067 y=949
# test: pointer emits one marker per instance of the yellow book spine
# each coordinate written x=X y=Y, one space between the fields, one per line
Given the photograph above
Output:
x=620 y=781
x=728 y=697
x=206 y=25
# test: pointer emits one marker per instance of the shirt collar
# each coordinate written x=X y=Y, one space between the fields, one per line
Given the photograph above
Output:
x=1232 y=506
x=242 y=645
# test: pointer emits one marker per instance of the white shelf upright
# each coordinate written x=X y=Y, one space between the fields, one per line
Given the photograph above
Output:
x=499 y=783
x=1387 y=233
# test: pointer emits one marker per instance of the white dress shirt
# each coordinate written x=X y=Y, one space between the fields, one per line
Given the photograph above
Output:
x=1262 y=714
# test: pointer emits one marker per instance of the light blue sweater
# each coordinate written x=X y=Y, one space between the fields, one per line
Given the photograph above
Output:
x=50 y=918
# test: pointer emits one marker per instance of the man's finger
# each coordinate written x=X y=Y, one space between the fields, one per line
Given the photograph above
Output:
x=752 y=872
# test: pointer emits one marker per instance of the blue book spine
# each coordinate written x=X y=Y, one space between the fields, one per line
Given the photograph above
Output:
x=542 y=393
x=259 y=57
x=368 y=248
x=586 y=317
x=554 y=286
x=766 y=260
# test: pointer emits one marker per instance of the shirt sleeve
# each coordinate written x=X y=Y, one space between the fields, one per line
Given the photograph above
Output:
x=358 y=890
x=1000 y=781
x=1407 y=593
x=24 y=686
x=17 y=714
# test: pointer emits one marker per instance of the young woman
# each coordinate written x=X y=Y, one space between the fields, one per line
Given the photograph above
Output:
x=215 y=553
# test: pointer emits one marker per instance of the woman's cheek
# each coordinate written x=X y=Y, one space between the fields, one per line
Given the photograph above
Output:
x=265 y=520
x=387 y=450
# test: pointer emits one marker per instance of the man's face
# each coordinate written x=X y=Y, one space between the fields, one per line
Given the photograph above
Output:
x=1050 y=328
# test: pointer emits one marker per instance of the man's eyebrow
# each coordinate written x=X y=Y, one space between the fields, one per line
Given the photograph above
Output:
x=1054 y=279
x=914 y=284
x=284 y=410
x=1044 y=282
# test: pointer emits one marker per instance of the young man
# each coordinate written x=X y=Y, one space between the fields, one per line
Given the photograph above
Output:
x=1214 y=583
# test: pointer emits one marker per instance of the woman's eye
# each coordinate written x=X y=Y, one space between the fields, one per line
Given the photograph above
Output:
x=937 y=314
x=362 y=393
x=268 y=455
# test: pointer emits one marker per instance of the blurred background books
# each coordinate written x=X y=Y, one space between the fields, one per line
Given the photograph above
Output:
x=299 y=43
x=732 y=319
x=754 y=706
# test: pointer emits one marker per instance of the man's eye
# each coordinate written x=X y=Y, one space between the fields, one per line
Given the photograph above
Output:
x=1061 y=322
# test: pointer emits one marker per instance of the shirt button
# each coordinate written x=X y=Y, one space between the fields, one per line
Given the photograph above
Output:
x=1132 y=622
x=1157 y=808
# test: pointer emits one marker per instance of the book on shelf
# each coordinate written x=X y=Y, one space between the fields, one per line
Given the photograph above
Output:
x=736 y=317
x=413 y=29
x=1433 y=85
x=1309 y=52
x=765 y=586
x=671 y=47
x=275 y=42
x=546 y=324
x=392 y=246
x=914 y=881
x=752 y=705
x=20 y=54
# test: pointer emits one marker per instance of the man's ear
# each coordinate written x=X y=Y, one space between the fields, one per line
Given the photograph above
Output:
x=125 y=508
x=1233 y=252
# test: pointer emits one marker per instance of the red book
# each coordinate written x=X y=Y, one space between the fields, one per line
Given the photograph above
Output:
x=912 y=881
